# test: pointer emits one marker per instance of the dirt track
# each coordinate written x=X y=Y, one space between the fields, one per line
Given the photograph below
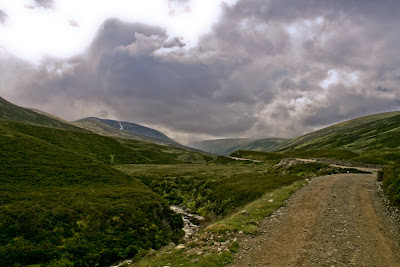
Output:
x=335 y=220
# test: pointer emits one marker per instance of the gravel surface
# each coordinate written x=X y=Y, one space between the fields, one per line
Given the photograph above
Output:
x=336 y=220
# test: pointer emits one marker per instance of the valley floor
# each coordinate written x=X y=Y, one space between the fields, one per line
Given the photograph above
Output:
x=336 y=220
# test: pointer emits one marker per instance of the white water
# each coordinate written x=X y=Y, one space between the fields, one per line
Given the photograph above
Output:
x=191 y=221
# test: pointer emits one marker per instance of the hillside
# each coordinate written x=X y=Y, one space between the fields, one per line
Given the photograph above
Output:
x=59 y=190
x=130 y=130
x=97 y=126
x=311 y=139
x=13 y=112
x=62 y=202
x=220 y=146
x=372 y=139
x=266 y=144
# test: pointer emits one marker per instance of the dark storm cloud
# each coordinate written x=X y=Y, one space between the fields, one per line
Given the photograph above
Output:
x=267 y=68
x=122 y=75
x=3 y=17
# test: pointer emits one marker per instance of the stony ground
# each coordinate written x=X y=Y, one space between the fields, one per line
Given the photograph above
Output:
x=337 y=220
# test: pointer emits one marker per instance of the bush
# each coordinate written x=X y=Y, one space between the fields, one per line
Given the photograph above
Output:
x=390 y=177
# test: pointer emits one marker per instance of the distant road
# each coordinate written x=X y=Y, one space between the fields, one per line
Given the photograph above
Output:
x=253 y=160
x=335 y=220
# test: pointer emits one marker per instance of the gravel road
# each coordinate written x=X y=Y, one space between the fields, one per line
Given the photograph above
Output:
x=336 y=220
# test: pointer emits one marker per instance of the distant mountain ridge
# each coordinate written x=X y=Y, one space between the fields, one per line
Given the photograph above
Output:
x=129 y=130
x=265 y=144
x=227 y=146
x=219 y=146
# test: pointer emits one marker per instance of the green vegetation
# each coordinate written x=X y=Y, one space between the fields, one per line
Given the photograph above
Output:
x=160 y=154
x=100 y=147
x=390 y=176
x=82 y=225
x=366 y=132
x=248 y=219
x=214 y=190
x=70 y=197
x=340 y=154
x=62 y=203
x=371 y=140
x=172 y=257
x=227 y=160
x=13 y=112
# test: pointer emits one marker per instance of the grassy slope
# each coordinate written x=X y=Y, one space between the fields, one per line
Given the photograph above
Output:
x=217 y=189
x=390 y=177
x=370 y=140
x=13 y=112
x=316 y=139
x=62 y=201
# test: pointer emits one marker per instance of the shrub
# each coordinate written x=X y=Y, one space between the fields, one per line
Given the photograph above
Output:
x=390 y=177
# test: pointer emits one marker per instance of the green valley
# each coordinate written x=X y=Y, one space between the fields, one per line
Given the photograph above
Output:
x=74 y=197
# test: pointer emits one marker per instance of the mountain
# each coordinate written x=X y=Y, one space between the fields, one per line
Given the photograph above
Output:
x=130 y=130
x=64 y=203
x=227 y=146
x=10 y=111
x=219 y=146
x=325 y=137
x=372 y=139
x=266 y=144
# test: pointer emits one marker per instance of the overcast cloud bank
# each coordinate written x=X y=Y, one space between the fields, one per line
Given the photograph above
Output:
x=267 y=68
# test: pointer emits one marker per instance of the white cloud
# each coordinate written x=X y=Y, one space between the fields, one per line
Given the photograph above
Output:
x=31 y=33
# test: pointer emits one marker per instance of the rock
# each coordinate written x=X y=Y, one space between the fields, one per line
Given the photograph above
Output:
x=245 y=212
x=271 y=200
x=180 y=246
x=240 y=232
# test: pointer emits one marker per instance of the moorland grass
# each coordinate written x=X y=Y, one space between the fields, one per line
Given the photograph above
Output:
x=173 y=257
x=372 y=135
x=340 y=154
x=247 y=222
x=214 y=190
x=62 y=205
x=248 y=218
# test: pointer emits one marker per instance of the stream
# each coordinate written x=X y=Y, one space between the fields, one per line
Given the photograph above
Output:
x=191 y=222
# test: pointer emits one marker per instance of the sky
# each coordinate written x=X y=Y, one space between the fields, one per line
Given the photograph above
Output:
x=203 y=69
